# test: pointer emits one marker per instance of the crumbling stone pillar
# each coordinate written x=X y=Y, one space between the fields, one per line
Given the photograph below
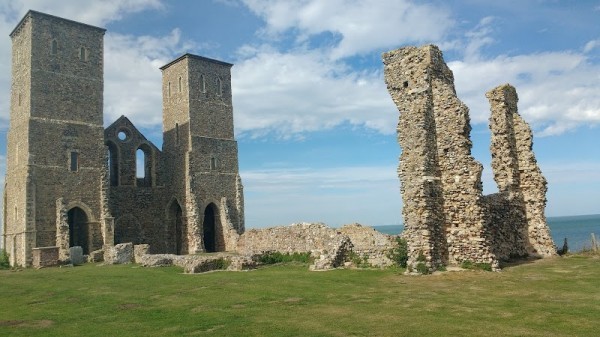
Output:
x=444 y=214
x=407 y=78
x=516 y=171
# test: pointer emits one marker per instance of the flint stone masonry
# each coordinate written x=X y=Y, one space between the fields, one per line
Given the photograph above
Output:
x=96 y=256
x=330 y=247
x=72 y=182
x=518 y=176
x=119 y=254
x=446 y=218
x=193 y=264
x=45 y=257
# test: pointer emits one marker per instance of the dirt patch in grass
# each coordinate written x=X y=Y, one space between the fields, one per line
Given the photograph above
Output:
x=39 y=324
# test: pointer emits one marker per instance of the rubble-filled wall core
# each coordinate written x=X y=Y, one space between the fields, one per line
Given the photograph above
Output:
x=521 y=184
x=444 y=218
x=447 y=220
x=71 y=182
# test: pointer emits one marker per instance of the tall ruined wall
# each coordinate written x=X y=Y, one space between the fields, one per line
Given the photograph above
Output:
x=407 y=78
x=444 y=214
x=518 y=176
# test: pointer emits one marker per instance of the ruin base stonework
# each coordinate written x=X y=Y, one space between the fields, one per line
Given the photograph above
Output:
x=447 y=219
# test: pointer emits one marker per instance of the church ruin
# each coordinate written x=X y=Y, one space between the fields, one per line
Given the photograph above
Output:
x=71 y=182
x=447 y=219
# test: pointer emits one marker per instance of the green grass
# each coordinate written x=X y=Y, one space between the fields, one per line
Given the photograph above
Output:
x=554 y=297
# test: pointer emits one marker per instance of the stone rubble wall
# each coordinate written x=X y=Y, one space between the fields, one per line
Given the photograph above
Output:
x=517 y=173
x=407 y=77
x=366 y=241
x=447 y=219
x=444 y=215
x=330 y=247
x=45 y=257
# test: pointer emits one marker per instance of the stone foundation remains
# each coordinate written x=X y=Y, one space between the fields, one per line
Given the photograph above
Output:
x=45 y=257
x=447 y=220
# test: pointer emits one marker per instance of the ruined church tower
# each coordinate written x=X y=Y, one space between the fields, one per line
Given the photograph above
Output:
x=201 y=153
x=56 y=154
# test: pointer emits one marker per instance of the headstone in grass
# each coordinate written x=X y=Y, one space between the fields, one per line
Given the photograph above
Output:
x=76 y=255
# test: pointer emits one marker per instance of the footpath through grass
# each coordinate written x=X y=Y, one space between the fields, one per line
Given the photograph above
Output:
x=554 y=297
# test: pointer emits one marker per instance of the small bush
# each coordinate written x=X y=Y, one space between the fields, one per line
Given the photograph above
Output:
x=4 y=260
x=399 y=254
x=360 y=261
x=422 y=268
x=222 y=264
x=476 y=266
x=277 y=257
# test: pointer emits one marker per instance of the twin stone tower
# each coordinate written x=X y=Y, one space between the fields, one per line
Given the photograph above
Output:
x=72 y=182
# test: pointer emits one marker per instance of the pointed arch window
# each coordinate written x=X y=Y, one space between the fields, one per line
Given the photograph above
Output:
x=144 y=165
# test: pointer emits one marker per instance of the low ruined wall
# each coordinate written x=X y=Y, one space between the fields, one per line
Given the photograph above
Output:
x=296 y=238
x=506 y=226
x=322 y=241
x=45 y=257
x=368 y=242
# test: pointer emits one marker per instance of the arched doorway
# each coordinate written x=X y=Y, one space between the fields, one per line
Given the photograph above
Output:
x=209 y=229
x=78 y=229
x=178 y=228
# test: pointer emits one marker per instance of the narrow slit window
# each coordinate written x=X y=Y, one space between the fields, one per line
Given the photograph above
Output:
x=169 y=89
x=213 y=163
x=54 y=47
x=74 y=161
x=179 y=85
x=219 y=87
x=83 y=54
x=177 y=133
x=202 y=84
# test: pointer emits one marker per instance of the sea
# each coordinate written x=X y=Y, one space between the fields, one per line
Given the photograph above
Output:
x=576 y=229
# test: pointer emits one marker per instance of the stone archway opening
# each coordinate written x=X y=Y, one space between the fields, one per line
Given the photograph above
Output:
x=178 y=228
x=78 y=229
x=209 y=229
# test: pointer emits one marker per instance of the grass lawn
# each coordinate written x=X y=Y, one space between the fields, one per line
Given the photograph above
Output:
x=553 y=297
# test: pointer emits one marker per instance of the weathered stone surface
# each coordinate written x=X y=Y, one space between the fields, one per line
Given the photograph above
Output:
x=96 y=256
x=444 y=216
x=368 y=242
x=76 y=255
x=518 y=176
x=330 y=247
x=45 y=257
x=139 y=251
x=157 y=260
x=447 y=220
x=119 y=254
x=70 y=180
x=337 y=253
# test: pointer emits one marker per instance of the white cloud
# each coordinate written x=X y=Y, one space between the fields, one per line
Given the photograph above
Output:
x=362 y=26
x=88 y=11
x=291 y=93
x=132 y=76
x=557 y=90
x=591 y=45
x=367 y=194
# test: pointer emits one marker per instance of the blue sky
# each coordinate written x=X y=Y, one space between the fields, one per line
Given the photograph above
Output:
x=313 y=119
